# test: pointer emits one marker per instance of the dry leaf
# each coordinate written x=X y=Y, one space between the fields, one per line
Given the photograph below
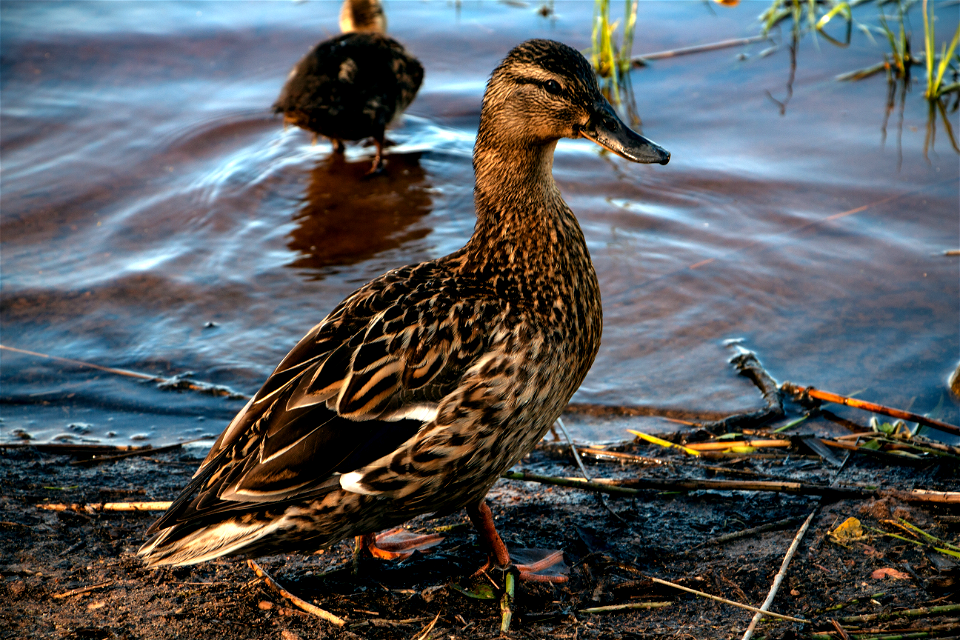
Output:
x=848 y=531
x=889 y=572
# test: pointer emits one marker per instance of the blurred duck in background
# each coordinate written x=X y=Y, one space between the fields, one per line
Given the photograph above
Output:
x=353 y=86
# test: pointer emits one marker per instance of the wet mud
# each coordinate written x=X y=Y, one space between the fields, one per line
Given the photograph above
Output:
x=70 y=574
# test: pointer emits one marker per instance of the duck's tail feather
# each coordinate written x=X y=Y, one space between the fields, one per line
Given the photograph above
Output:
x=228 y=538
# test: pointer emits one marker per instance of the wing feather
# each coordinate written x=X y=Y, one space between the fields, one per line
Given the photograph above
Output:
x=356 y=388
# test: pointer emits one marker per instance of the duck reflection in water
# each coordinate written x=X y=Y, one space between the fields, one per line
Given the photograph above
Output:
x=327 y=235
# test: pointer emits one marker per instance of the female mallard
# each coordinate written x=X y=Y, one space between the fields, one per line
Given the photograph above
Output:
x=423 y=386
x=352 y=86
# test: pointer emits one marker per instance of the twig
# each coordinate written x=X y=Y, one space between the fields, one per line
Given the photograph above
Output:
x=727 y=537
x=303 y=604
x=142 y=451
x=639 y=61
x=749 y=366
x=906 y=613
x=82 y=590
x=72 y=449
x=425 y=632
x=573 y=449
x=810 y=392
x=893 y=634
x=107 y=506
x=583 y=470
x=663 y=443
x=603 y=454
x=119 y=372
x=721 y=445
x=629 y=605
x=840 y=630
x=861 y=74
x=177 y=382
x=613 y=487
x=781 y=574
x=730 y=602
x=949 y=552
x=636 y=411
x=625 y=457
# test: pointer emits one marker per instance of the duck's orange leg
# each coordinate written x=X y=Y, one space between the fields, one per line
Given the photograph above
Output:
x=378 y=159
x=534 y=561
x=396 y=543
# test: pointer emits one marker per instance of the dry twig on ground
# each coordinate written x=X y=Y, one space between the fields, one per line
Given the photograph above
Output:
x=303 y=604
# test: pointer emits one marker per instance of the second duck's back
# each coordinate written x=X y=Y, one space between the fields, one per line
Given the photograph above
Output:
x=350 y=87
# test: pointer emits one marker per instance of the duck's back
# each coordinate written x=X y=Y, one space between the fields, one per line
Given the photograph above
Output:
x=350 y=87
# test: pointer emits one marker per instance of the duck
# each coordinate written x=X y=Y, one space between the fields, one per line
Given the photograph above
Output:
x=353 y=86
x=422 y=387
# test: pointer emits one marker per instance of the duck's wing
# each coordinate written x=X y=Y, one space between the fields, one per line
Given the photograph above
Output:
x=355 y=388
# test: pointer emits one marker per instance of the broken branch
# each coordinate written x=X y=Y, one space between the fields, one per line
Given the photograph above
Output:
x=83 y=590
x=630 y=605
x=303 y=604
x=802 y=393
x=780 y=574
x=614 y=487
x=107 y=506
x=730 y=602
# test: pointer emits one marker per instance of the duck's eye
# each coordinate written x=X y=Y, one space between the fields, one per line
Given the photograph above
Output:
x=552 y=86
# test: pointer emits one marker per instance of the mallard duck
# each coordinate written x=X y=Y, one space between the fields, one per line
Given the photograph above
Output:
x=353 y=86
x=421 y=388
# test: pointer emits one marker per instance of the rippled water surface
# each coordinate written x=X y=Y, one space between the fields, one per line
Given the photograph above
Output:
x=157 y=218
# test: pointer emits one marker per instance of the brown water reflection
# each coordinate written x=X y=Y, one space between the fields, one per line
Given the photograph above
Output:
x=376 y=215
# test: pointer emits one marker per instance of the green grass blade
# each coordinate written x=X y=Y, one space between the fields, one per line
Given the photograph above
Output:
x=945 y=58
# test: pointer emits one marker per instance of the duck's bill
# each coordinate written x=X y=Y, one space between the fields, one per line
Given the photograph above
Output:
x=607 y=130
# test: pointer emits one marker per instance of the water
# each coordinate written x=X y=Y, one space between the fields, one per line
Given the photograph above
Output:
x=157 y=218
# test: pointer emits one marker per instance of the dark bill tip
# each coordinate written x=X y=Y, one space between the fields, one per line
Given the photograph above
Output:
x=608 y=131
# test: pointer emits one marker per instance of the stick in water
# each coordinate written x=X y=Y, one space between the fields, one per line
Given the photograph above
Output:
x=826 y=396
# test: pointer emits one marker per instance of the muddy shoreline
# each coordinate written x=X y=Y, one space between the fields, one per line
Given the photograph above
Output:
x=70 y=574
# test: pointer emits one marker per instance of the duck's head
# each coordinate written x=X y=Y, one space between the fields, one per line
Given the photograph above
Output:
x=543 y=91
x=362 y=15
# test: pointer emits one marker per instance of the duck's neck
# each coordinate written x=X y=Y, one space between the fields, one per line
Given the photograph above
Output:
x=525 y=233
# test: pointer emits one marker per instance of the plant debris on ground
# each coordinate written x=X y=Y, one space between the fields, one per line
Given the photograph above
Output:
x=73 y=573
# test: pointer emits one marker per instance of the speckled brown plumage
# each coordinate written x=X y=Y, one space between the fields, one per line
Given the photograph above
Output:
x=353 y=86
x=423 y=386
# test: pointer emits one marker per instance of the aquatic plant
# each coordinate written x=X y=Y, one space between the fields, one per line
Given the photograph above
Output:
x=897 y=63
x=901 y=57
x=942 y=69
x=612 y=61
x=935 y=87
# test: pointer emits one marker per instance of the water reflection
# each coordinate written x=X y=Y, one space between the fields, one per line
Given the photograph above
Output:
x=342 y=226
